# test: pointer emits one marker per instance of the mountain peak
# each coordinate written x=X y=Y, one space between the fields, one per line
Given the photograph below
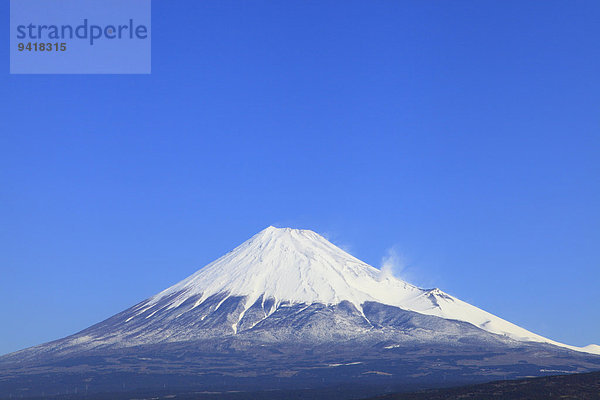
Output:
x=295 y=265
x=289 y=234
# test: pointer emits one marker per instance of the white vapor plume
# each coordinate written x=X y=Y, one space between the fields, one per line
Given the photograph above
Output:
x=392 y=264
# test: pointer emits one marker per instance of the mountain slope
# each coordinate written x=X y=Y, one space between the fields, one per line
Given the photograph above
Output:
x=300 y=266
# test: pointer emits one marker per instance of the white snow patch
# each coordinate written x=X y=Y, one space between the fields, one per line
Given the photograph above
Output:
x=343 y=364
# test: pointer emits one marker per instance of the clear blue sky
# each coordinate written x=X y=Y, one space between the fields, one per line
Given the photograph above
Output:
x=464 y=134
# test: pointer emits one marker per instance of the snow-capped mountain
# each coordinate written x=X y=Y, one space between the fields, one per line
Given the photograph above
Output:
x=298 y=266
x=287 y=307
x=278 y=283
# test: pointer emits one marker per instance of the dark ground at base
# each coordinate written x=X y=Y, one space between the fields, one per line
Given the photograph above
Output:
x=577 y=386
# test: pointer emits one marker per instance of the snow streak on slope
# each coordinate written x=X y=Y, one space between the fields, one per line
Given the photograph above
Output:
x=300 y=266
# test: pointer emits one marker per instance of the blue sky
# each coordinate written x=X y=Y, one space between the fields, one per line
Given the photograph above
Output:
x=465 y=135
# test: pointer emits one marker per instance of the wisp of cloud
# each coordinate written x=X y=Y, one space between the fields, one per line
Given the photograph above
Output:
x=392 y=264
